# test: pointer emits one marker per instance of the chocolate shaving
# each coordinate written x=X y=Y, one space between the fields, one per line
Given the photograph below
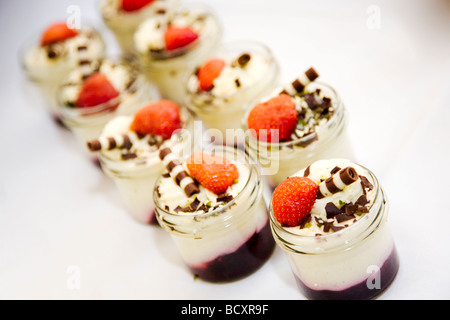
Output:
x=343 y=217
x=305 y=221
x=129 y=156
x=307 y=171
x=366 y=183
x=332 y=210
x=336 y=228
x=362 y=200
x=336 y=169
x=195 y=204
x=243 y=60
x=238 y=83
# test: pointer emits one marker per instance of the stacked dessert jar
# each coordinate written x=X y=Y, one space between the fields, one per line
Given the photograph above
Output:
x=340 y=246
x=212 y=205
x=168 y=45
x=123 y=17
x=129 y=152
x=305 y=122
x=98 y=91
x=48 y=59
x=219 y=90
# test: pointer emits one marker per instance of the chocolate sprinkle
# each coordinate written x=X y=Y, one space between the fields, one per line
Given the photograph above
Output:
x=332 y=210
x=336 y=169
x=307 y=171
x=243 y=60
x=129 y=156
x=366 y=183
x=224 y=198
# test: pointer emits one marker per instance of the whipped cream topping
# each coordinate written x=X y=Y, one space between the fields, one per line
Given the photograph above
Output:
x=174 y=200
x=149 y=38
x=121 y=75
x=336 y=211
x=240 y=72
x=50 y=61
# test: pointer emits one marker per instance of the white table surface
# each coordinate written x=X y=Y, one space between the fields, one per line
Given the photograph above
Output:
x=57 y=210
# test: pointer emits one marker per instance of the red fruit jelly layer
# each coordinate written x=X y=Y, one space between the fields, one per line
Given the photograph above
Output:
x=365 y=290
x=245 y=260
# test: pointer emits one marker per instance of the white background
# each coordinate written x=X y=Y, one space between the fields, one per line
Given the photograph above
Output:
x=57 y=210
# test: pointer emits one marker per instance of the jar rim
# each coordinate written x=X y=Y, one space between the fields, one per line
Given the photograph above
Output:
x=195 y=47
x=219 y=211
x=372 y=216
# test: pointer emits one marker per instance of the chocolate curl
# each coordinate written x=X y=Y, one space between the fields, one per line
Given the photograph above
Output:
x=117 y=142
x=177 y=172
x=301 y=82
x=337 y=182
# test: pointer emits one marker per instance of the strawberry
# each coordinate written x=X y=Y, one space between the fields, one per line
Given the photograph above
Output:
x=160 y=118
x=96 y=90
x=213 y=172
x=293 y=200
x=208 y=72
x=57 y=32
x=134 y=5
x=276 y=116
x=179 y=37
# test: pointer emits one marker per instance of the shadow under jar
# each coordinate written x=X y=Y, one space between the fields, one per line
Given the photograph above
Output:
x=279 y=160
x=227 y=243
x=359 y=262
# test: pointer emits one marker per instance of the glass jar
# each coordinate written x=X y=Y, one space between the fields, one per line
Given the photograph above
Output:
x=357 y=262
x=223 y=111
x=280 y=160
x=87 y=123
x=124 y=24
x=227 y=243
x=135 y=178
x=46 y=67
x=167 y=70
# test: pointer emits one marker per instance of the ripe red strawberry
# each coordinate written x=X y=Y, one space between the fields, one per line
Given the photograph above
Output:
x=57 y=32
x=134 y=5
x=96 y=90
x=179 y=37
x=160 y=118
x=278 y=115
x=213 y=172
x=208 y=72
x=293 y=200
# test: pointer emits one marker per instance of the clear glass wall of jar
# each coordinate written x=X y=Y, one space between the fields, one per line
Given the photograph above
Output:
x=228 y=243
x=358 y=262
x=280 y=160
